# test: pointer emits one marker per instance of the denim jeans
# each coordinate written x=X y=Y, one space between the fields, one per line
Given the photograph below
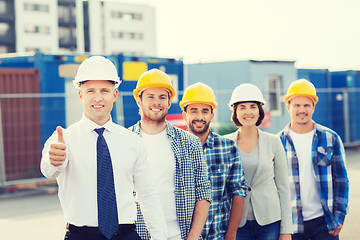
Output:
x=253 y=231
x=315 y=229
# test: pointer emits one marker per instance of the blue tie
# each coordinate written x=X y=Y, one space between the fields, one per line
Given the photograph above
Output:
x=107 y=210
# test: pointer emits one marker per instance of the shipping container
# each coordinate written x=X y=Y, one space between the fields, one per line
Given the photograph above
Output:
x=52 y=97
x=56 y=102
x=20 y=123
x=345 y=101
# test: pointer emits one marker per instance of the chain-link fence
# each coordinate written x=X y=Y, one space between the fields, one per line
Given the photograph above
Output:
x=27 y=120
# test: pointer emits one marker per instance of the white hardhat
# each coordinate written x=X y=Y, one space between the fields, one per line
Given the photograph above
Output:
x=246 y=92
x=96 y=68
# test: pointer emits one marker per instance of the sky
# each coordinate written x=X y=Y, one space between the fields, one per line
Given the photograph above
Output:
x=313 y=33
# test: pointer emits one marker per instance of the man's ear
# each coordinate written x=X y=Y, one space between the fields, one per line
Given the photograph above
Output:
x=80 y=94
x=288 y=106
x=169 y=102
x=116 y=92
x=184 y=115
x=138 y=100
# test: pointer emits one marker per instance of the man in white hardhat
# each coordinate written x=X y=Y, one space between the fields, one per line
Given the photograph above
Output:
x=223 y=160
x=98 y=164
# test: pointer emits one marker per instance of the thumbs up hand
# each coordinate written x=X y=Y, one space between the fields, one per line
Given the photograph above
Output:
x=57 y=151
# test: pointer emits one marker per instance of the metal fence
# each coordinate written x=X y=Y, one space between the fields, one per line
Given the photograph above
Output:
x=22 y=135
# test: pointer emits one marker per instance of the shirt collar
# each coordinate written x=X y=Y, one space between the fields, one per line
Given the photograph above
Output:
x=90 y=125
x=170 y=131
x=317 y=128
x=210 y=140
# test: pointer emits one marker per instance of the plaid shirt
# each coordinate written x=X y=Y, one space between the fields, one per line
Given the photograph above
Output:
x=227 y=180
x=328 y=156
x=191 y=177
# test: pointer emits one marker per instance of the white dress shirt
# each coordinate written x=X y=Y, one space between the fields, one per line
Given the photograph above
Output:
x=77 y=176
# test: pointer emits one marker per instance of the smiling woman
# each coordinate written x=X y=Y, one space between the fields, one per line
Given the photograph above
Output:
x=267 y=207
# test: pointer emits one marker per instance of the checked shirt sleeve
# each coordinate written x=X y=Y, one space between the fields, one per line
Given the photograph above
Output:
x=340 y=181
x=202 y=183
x=236 y=179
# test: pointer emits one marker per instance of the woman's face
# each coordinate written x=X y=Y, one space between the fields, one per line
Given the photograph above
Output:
x=247 y=113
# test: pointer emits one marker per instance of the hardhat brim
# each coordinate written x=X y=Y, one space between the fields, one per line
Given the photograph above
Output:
x=231 y=104
x=77 y=84
x=183 y=104
x=137 y=91
x=289 y=97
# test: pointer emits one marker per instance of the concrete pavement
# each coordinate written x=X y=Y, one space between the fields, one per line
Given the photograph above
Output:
x=37 y=215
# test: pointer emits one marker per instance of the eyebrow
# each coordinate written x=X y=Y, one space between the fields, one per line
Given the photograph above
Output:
x=202 y=109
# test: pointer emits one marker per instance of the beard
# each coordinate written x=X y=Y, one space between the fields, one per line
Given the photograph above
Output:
x=157 y=119
x=200 y=131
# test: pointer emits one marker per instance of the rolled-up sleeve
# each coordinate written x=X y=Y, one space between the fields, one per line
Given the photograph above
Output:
x=236 y=179
x=341 y=182
x=202 y=182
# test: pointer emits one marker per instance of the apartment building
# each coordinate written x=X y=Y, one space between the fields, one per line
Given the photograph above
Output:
x=63 y=26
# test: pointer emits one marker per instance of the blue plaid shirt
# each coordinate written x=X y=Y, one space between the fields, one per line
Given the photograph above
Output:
x=328 y=156
x=227 y=180
x=191 y=177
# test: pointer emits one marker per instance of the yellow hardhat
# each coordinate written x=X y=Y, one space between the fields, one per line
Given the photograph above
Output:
x=154 y=78
x=301 y=87
x=198 y=93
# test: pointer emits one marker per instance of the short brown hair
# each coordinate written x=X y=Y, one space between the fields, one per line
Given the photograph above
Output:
x=258 y=122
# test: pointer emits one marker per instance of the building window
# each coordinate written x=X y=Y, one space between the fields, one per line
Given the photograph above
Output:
x=127 y=35
x=37 y=29
x=133 y=53
x=35 y=49
x=4 y=27
x=138 y=36
x=66 y=13
x=116 y=34
x=126 y=16
x=274 y=91
x=3 y=7
x=36 y=7
x=3 y=49
x=64 y=34
x=115 y=14
x=137 y=16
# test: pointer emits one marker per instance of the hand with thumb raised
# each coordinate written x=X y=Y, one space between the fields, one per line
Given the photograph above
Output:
x=57 y=151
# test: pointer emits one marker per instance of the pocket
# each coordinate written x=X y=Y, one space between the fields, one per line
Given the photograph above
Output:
x=217 y=176
x=324 y=156
x=217 y=168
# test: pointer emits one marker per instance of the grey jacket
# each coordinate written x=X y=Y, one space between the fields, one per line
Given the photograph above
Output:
x=270 y=189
